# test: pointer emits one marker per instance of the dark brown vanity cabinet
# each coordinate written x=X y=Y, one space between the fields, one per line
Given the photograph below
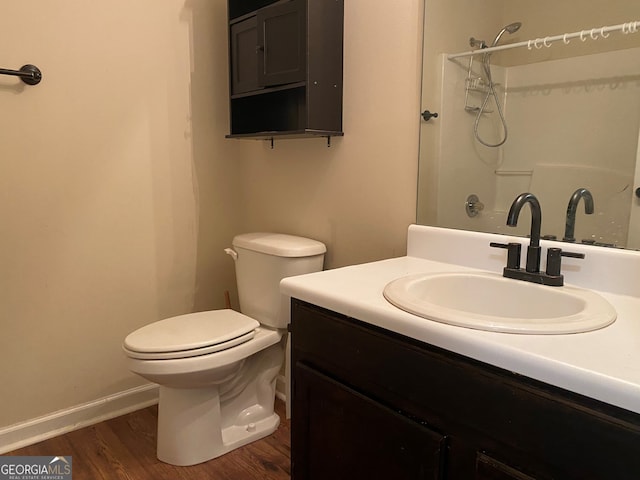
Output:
x=372 y=404
x=285 y=67
x=359 y=437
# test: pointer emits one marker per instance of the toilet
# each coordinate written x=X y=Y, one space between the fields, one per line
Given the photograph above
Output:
x=217 y=369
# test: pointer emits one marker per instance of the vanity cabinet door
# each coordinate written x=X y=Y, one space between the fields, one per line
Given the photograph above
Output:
x=339 y=433
x=488 y=468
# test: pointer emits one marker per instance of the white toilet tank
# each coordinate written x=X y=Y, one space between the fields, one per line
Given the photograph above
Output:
x=263 y=259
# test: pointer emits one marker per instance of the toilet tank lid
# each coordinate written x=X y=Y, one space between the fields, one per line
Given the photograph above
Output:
x=279 y=244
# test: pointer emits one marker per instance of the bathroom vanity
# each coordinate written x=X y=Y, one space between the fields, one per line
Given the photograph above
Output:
x=381 y=393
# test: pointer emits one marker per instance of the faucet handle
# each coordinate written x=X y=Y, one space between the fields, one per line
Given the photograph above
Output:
x=554 y=259
x=571 y=254
x=513 y=253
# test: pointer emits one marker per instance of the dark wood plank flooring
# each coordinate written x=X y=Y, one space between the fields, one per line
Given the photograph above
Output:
x=125 y=448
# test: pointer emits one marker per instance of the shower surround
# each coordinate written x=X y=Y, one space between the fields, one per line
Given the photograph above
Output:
x=572 y=122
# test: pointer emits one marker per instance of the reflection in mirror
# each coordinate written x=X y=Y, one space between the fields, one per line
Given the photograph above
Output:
x=554 y=110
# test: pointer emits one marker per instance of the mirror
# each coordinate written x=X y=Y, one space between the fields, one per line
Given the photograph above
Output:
x=571 y=108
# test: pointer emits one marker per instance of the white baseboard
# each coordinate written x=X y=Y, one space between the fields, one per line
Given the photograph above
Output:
x=48 y=426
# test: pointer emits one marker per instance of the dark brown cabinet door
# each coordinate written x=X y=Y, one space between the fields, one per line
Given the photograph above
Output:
x=341 y=434
x=244 y=56
x=488 y=468
x=281 y=43
x=268 y=49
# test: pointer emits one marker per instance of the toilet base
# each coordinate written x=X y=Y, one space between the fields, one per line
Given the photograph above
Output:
x=199 y=424
x=236 y=436
x=191 y=435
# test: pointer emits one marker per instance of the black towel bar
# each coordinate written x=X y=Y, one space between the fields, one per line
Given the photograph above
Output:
x=29 y=74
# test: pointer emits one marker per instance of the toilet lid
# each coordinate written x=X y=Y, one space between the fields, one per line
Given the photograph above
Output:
x=190 y=335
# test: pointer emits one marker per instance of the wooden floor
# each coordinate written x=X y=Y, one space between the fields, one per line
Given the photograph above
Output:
x=125 y=448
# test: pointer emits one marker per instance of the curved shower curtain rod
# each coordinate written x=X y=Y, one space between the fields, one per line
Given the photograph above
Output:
x=538 y=43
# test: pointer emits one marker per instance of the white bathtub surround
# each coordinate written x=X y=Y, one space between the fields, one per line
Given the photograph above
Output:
x=573 y=122
x=602 y=364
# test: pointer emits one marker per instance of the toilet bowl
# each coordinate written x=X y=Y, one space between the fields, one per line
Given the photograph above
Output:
x=217 y=369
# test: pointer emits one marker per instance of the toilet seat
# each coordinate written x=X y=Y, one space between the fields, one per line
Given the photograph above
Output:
x=190 y=335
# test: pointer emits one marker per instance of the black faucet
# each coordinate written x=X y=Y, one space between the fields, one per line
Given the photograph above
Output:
x=532 y=273
x=533 y=250
x=572 y=208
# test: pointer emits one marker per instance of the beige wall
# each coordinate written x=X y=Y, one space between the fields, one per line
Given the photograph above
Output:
x=114 y=172
x=118 y=191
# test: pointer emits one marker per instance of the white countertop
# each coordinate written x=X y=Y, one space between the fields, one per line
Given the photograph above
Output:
x=602 y=364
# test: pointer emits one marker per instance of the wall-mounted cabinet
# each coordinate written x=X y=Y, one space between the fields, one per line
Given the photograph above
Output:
x=285 y=68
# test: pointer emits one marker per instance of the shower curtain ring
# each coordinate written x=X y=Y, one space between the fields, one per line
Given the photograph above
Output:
x=593 y=34
x=631 y=27
x=546 y=42
x=565 y=39
x=535 y=43
x=602 y=34
x=529 y=44
x=582 y=35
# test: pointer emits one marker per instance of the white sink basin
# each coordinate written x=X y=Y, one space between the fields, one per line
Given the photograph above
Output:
x=488 y=301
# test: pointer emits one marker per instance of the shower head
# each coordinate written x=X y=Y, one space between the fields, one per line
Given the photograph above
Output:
x=511 y=28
